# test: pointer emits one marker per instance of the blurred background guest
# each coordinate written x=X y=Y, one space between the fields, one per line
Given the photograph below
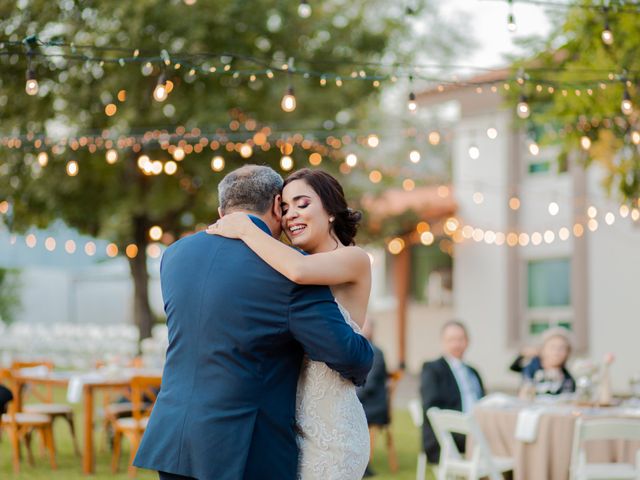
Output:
x=374 y=394
x=5 y=398
x=548 y=371
x=526 y=354
x=449 y=383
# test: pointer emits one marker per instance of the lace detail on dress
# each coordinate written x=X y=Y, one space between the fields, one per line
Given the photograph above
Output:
x=334 y=443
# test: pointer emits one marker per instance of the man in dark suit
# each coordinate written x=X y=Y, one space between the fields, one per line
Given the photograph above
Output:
x=237 y=333
x=448 y=383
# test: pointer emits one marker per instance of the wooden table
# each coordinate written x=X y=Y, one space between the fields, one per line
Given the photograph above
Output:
x=89 y=389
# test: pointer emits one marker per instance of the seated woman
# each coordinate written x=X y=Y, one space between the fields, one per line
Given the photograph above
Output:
x=548 y=371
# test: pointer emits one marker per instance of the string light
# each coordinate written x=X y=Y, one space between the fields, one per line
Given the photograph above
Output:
x=414 y=156
x=474 y=152
x=72 y=168
x=626 y=105
x=43 y=159
x=411 y=104
x=286 y=163
x=111 y=156
x=31 y=86
x=511 y=19
x=585 y=142
x=288 y=103
x=607 y=34
x=492 y=133
x=304 y=9
x=155 y=233
x=522 y=108
x=217 y=163
x=351 y=160
x=553 y=209
x=170 y=167
x=160 y=93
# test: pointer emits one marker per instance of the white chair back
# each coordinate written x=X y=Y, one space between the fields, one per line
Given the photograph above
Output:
x=417 y=415
x=447 y=422
x=415 y=410
x=601 y=429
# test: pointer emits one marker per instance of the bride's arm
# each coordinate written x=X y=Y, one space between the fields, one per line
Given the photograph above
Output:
x=343 y=265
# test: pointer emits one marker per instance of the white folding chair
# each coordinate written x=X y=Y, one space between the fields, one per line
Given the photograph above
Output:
x=481 y=462
x=603 y=429
x=415 y=410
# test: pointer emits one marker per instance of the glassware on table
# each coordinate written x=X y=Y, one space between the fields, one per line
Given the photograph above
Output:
x=584 y=390
x=634 y=385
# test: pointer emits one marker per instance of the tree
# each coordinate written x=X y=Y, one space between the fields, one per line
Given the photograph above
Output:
x=121 y=202
x=591 y=78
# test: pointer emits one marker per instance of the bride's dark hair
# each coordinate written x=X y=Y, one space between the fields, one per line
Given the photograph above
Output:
x=346 y=220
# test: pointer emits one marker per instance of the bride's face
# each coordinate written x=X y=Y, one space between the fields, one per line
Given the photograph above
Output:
x=304 y=219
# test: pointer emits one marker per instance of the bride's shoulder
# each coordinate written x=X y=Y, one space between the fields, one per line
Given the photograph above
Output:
x=357 y=255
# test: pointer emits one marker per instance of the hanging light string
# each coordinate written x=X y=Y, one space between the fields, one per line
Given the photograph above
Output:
x=619 y=7
x=201 y=63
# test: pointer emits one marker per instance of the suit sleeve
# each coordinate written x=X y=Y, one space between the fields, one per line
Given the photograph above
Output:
x=316 y=322
x=377 y=378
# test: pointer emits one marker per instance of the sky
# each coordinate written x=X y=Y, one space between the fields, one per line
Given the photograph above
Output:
x=488 y=21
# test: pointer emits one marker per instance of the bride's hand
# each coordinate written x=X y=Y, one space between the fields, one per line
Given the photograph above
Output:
x=233 y=225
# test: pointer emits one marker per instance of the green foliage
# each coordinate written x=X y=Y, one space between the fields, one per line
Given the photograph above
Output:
x=575 y=58
x=118 y=202
x=105 y=199
x=9 y=294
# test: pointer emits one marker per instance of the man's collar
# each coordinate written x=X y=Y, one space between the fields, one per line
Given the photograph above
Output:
x=261 y=224
x=453 y=361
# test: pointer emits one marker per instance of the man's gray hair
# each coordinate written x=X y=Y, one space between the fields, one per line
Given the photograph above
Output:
x=251 y=188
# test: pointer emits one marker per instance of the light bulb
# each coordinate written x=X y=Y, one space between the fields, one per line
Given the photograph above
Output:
x=523 y=109
x=414 y=156
x=607 y=36
x=412 y=105
x=31 y=87
x=626 y=105
x=585 y=142
x=111 y=156
x=635 y=137
x=351 y=160
x=288 y=102
x=304 y=9
x=217 y=163
x=534 y=149
x=160 y=93
x=511 y=23
x=286 y=163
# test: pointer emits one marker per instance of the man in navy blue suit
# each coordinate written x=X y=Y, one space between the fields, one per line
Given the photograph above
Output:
x=237 y=334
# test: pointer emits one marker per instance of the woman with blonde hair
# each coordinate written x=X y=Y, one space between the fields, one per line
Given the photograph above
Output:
x=548 y=371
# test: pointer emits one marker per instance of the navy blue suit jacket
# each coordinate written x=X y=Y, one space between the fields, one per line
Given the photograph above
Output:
x=237 y=331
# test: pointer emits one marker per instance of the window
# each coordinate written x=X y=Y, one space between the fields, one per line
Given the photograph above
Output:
x=548 y=294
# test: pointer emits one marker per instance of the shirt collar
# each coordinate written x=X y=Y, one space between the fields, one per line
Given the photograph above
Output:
x=453 y=361
x=261 y=224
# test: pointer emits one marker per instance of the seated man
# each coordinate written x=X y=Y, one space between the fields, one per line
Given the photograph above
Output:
x=5 y=398
x=448 y=383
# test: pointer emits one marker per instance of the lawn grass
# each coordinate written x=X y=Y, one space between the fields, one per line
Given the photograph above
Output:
x=406 y=438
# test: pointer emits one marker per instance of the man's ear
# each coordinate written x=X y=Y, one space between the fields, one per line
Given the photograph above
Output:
x=220 y=212
x=277 y=207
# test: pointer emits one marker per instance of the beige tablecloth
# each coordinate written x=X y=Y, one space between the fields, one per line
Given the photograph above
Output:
x=549 y=456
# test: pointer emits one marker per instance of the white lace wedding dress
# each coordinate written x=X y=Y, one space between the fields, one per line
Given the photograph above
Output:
x=334 y=439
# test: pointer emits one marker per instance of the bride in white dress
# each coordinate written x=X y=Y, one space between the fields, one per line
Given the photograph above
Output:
x=334 y=438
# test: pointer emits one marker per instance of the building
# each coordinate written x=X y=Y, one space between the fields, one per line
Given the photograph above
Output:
x=576 y=258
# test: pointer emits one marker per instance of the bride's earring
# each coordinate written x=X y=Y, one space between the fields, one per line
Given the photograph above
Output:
x=331 y=219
